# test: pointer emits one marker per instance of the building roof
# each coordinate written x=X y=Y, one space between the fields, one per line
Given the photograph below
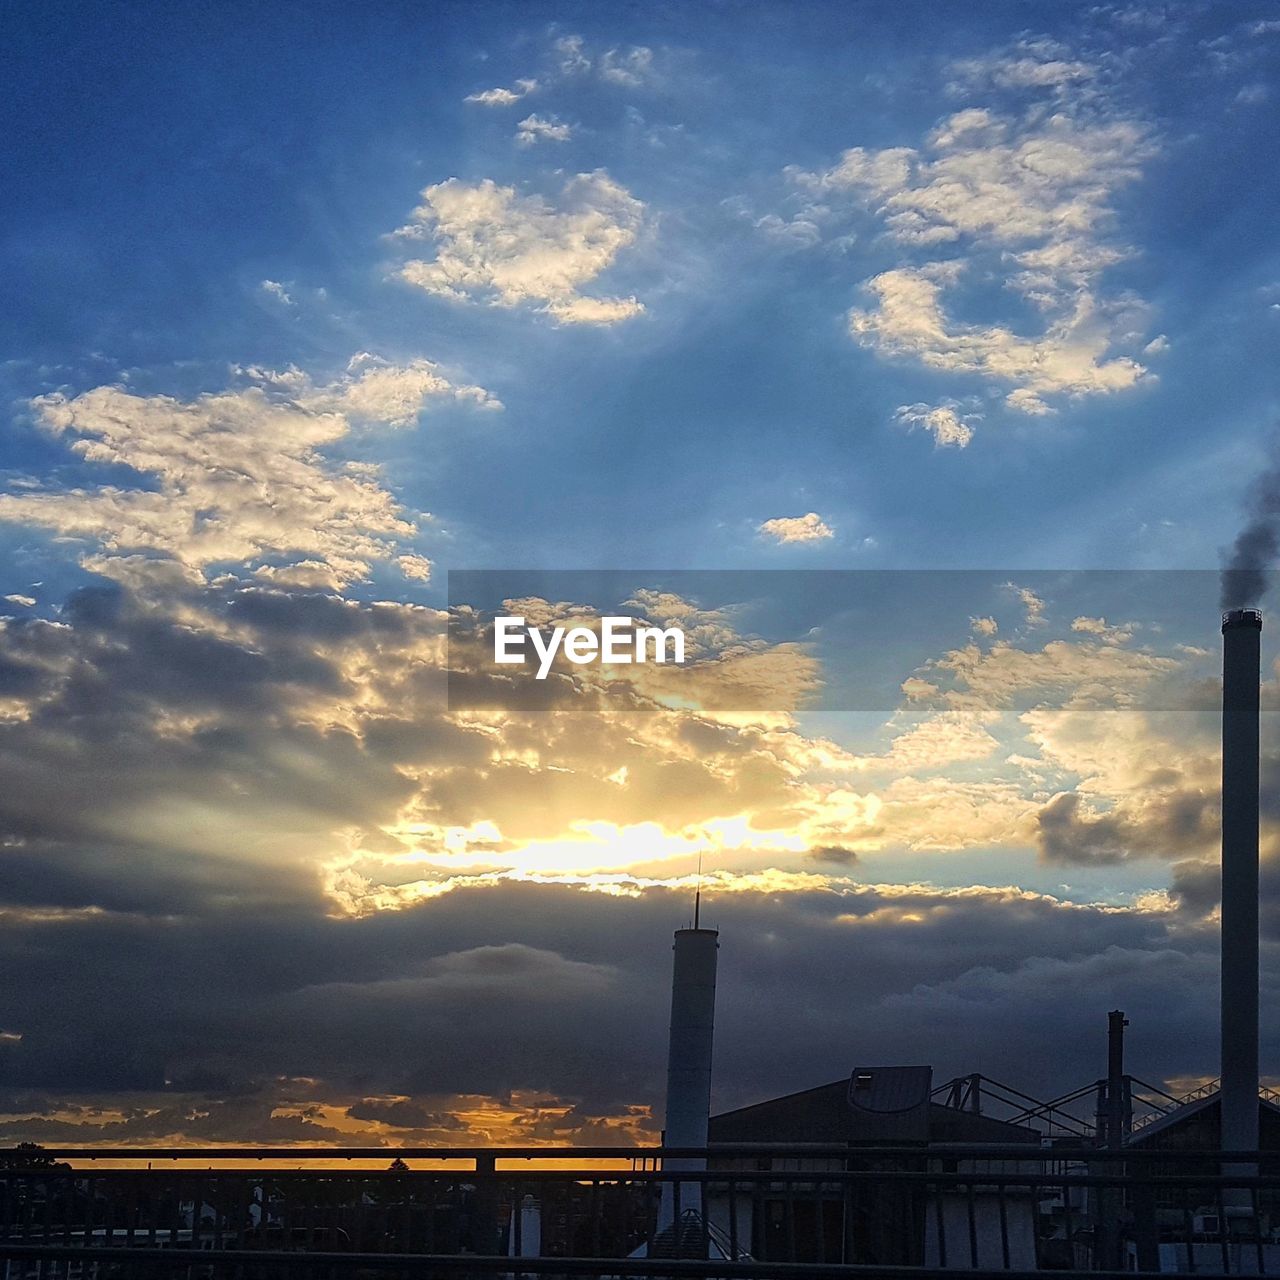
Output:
x=890 y=1109
x=1198 y=1125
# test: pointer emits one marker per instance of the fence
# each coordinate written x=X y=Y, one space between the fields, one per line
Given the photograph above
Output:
x=754 y=1212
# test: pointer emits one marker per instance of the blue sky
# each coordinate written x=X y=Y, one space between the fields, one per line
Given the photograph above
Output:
x=186 y=158
x=310 y=306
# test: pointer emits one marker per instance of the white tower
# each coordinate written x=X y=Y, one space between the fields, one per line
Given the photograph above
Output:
x=693 y=1006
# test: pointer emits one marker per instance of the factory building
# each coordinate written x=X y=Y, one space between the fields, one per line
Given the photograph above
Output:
x=899 y=1222
x=890 y=1223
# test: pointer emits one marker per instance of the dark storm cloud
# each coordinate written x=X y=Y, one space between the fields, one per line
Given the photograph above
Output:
x=401 y=1113
x=1169 y=995
x=1197 y=888
x=834 y=855
x=199 y=1120
x=1065 y=836
x=1167 y=825
x=1197 y=885
x=1172 y=816
x=145 y=726
x=574 y=1001
x=122 y=875
x=580 y=1125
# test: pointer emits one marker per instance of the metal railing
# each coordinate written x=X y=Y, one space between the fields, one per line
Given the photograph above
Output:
x=754 y=1212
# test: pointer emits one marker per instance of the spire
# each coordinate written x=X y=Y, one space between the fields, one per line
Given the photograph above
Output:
x=697 y=893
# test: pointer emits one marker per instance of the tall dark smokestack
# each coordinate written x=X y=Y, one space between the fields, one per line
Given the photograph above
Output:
x=1241 y=668
x=1117 y=1100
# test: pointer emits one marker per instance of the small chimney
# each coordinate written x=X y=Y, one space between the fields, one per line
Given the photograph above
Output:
x=1241 y=667
x=1118 y=1108
x=693 y=1005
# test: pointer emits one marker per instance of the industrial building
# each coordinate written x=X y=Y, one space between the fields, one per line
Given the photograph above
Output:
x=895 y=1109
x=888 y=1224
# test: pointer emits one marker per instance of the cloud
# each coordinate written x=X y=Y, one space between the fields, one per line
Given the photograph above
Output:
x=976 y=704
x=307 y=1110
x=203 y=779
x=1027 y=194
x=632 y=67
x=628 y=67
x=907 y=320
x=946 y=426
x=1038 y=186
x=836 y=855
x=1091 y=672
x=945 y=738
x=799 y=232
x=404 y=1113
x=229 y=724
x=1024 y=400
x=1033 y=605
x=1075 y=831
x=1103 y=630
x=806 y=528
x=302 y=731
x=570 y=51
x=503 y=97
x=728 y=678
x=415 y=567
x=375 y=390
x=274 y=289
x=1241 y=47
x=367 y=1048
x=533 y=129
x=1027 y=64
x=303 y=575
x=305 y=689
x=1166 y=991
x=326 y=726
x=496 y=246
x=239 y=476
x=602 y=311
x=570 y=60
x=1145 y=782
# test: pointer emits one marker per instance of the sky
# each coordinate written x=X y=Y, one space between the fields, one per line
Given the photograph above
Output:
x=919 y=360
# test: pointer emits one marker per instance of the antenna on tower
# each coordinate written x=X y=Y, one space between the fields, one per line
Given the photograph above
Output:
x=697 y=893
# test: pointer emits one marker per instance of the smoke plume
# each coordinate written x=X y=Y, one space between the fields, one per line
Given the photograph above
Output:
x=1244 y=578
